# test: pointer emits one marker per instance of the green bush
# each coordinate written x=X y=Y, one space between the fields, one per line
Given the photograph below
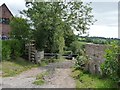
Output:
x=6 y=50
x=111 y=65
x=84 y=80
x=15 y=48
x=10 y=49
x=82 y=60
x=67 y=52
x=77 y=46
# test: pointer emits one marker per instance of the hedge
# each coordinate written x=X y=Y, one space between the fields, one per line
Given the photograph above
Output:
x=11 y=49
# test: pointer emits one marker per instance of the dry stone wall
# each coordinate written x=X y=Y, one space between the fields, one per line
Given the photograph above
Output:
x=96 y=54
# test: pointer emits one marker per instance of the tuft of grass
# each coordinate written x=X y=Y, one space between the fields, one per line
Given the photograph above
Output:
x=84 y=80
x=43 y=63
x=39 y=82
x=40 y=79
x=14 y=67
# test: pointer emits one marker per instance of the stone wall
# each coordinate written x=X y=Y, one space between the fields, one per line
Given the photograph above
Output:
x=96 y=54
x=39 y=56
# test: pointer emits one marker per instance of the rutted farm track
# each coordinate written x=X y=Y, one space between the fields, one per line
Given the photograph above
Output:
x=59 y=77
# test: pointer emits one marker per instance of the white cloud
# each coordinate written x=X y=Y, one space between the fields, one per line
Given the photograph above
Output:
x=107 y=18
x=106 y=13
x=104 y=31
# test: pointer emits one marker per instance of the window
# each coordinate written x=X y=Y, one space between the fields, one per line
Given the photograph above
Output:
x=4 y=20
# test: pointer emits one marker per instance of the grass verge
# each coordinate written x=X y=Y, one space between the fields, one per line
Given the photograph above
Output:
x=84 y=80
x=14 y=67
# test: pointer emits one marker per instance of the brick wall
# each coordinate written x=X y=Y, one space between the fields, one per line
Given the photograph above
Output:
x=0 y=23
x=5 y=13
x=0 y=11
x=0 y=29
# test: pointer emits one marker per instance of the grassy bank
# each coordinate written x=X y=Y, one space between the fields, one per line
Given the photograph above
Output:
x=14 y=67
x=84 y=80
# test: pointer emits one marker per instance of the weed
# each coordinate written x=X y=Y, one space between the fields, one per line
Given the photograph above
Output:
x=40 y=79
x=84 y=80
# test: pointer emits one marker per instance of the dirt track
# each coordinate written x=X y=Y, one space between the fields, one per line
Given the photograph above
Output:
x=59 y=77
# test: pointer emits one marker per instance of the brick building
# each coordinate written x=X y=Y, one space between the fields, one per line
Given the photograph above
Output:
x=5 y=15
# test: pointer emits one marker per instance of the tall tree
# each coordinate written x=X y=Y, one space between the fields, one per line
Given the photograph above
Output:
x=20 y=31
x=20 y=28
x=54 y=22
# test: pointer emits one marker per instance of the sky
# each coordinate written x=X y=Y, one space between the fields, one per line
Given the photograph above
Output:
x=106 y=13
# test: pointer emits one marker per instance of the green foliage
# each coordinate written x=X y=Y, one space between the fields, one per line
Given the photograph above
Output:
x=20 y=28
x=77 y=47
x=111 y=65
x=58 y=42
x=0 y=50
x=14 y=67
x=11 y=49
x=6 y=50
x=48 y=28
x=69 y=37
x=84 y=80
x=67 y=52
x=97 y=40
x=40 y=78
x=44 y=62
x=82 y=60
x=15 y=48
x=39 y=82
x=20 y=31
x=54 y=23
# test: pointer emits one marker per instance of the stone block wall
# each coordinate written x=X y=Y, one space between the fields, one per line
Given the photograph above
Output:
x=96 y=54
x=39 y=55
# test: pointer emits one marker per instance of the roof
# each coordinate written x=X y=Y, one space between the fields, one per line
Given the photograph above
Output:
x=6 y=7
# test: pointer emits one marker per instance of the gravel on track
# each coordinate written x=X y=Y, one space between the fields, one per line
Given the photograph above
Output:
x=59 y=77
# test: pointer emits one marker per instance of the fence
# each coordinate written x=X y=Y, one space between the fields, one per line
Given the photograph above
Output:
x=32 y=54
